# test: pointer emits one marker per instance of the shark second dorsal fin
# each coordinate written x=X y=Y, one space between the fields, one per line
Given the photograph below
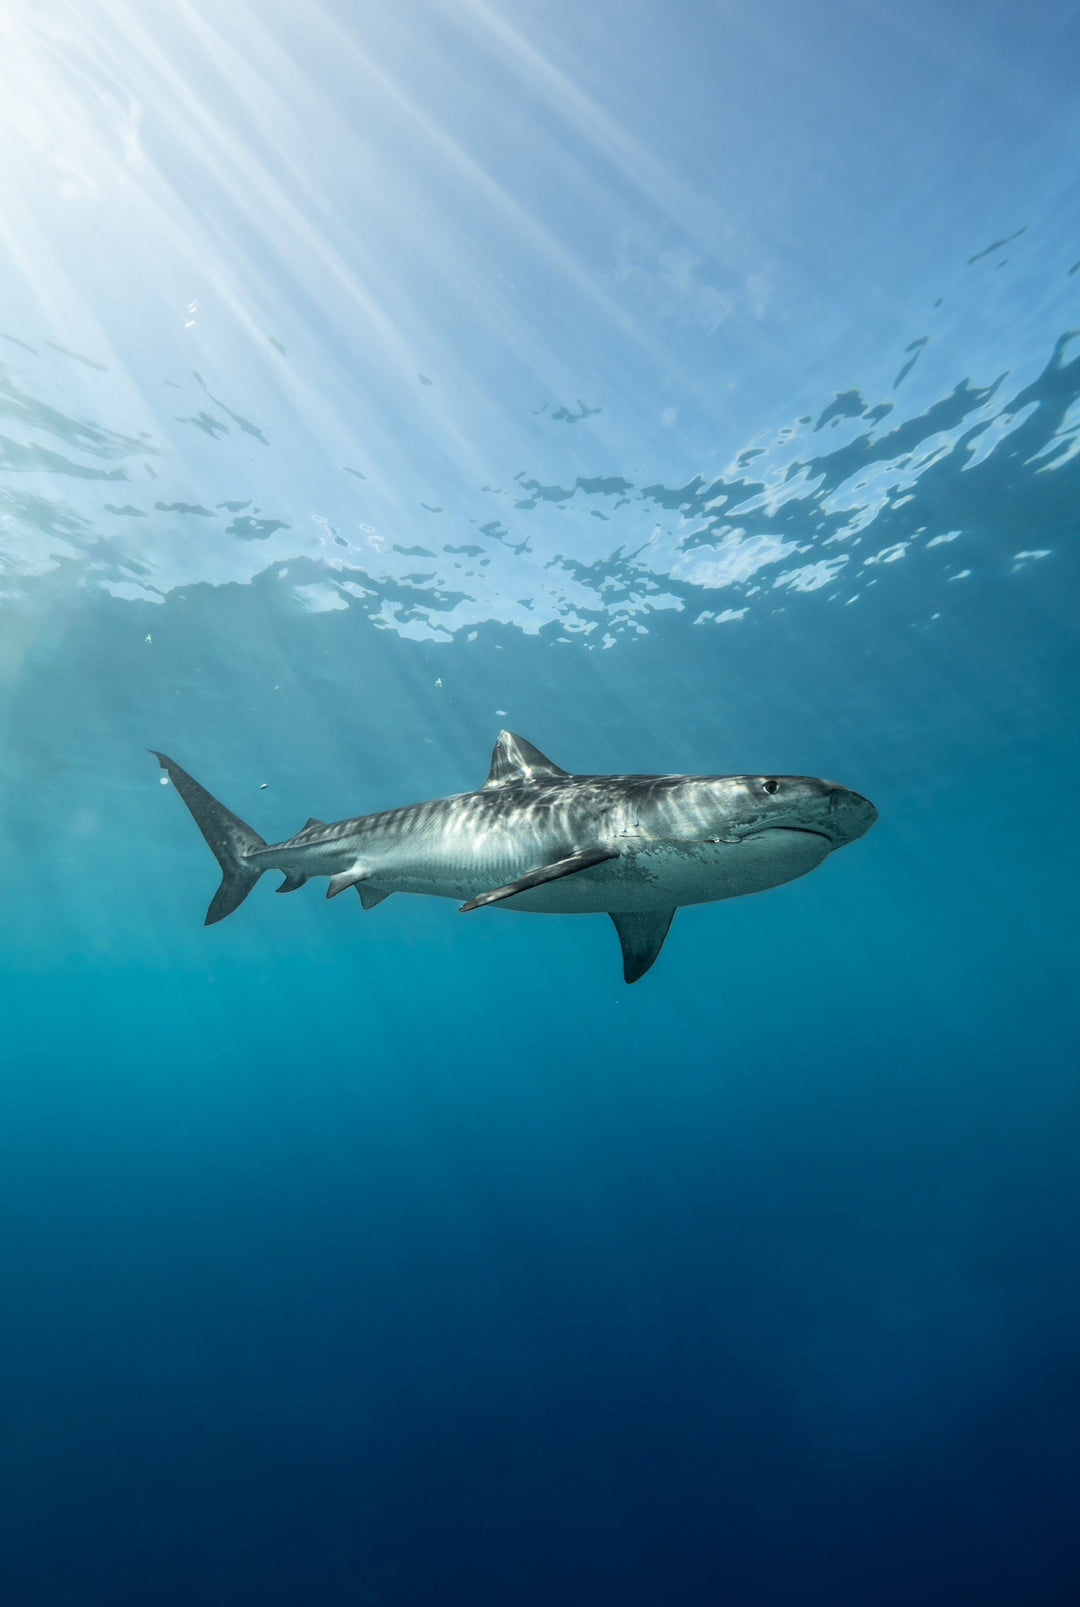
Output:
x=515 y=761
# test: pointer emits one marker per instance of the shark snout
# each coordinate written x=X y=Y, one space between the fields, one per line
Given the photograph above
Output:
x=849 y=815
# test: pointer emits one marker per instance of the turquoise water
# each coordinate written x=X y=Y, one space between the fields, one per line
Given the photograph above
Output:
x=689 y=390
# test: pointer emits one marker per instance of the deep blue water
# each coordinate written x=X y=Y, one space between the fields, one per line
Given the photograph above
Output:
x=691 y=391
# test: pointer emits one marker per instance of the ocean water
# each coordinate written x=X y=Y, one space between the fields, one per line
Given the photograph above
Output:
x=690 y=388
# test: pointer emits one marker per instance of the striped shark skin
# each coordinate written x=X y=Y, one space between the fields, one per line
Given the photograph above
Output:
x=538 y=839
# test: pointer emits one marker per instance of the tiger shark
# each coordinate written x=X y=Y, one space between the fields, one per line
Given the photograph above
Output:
x=538 y=839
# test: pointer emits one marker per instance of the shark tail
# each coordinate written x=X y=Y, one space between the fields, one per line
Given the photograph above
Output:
x=226 y=834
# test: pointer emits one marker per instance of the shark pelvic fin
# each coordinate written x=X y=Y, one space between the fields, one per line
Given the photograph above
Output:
x=515 y=760
x=370 y=896
x=290 y=884
x=226 y=835
x=344 y=879
x=547 y=873
x=642 y=935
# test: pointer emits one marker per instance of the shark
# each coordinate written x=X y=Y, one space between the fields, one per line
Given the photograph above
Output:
x=542 y=840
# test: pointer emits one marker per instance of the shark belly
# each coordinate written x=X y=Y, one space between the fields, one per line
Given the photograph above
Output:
x=667 y=875
x=658 y=875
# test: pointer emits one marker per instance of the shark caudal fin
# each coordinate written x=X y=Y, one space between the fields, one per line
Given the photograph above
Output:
x=225 y=833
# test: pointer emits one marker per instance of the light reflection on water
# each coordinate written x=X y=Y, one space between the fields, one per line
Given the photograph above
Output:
x=457 y=322
x=828 y=503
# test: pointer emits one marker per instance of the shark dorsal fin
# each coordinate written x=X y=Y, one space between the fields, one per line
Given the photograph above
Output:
x=314 y=821
x=515 y=760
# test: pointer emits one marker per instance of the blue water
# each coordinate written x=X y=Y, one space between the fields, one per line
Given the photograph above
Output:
x=687 y=389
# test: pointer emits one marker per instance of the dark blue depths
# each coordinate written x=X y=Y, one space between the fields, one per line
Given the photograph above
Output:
x=408 y=1257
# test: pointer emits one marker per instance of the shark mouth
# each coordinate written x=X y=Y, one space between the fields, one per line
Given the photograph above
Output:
x=803 y=831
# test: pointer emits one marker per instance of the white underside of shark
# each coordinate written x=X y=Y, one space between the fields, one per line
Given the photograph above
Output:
x=537 y=839
x=642 y=876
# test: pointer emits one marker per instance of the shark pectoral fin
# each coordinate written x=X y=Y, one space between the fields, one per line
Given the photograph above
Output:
x=290 y=884
x=547 y=873
x=370 y=896
x=642 y=935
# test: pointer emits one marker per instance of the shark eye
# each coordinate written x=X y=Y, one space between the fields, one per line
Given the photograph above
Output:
x=770 y=786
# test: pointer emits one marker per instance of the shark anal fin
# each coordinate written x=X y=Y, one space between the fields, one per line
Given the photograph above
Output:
x=547 y=873
x=515 y=760
x=290 y=884
x=370 y=896
x=642 y=934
